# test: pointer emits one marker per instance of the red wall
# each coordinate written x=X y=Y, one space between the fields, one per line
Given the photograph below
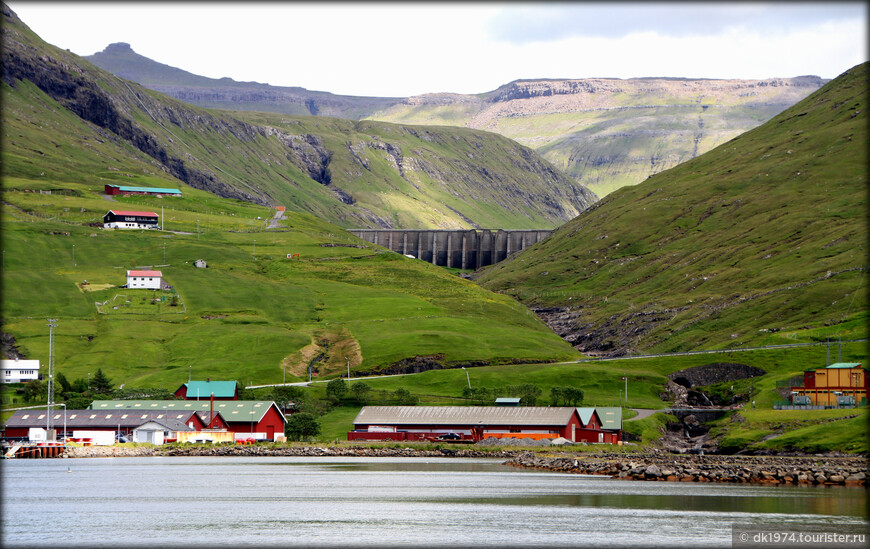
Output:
x=271 y=422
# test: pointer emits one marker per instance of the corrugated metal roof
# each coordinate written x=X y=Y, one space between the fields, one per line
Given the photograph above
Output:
x=230 y=410
x=79 y=419
x=611 y=417
x=844 y=365
x=169 y=424
x=221 y=389
x=146 y=189
x=463 y=415
x=140 y=214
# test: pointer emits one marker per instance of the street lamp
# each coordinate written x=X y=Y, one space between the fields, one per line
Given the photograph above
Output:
x=626 y=390
x=467 y=377
x=64 y=422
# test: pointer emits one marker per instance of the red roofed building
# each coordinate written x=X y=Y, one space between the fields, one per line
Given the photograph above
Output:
x=149 y=280
x=122 y=219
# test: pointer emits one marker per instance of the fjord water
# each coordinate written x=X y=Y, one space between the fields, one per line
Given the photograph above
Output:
x=382 y=502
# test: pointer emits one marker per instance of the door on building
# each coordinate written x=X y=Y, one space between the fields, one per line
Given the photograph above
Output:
x=270 y=432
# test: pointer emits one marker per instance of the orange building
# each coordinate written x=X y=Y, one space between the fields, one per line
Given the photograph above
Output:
x=843 y=383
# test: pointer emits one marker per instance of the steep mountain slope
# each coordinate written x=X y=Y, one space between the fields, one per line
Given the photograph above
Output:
x=761 y=240
x=605 y=132
x=76 y=123
x=225 y=93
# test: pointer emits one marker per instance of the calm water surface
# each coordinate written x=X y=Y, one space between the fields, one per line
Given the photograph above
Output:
x=382 y=502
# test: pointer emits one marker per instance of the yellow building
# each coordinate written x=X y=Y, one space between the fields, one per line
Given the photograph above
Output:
x=840 y=384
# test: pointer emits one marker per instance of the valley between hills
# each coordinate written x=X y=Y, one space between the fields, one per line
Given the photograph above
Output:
x=757 y=239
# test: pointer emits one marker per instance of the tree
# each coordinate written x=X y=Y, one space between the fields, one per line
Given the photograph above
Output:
x=528 y=393
x=477 y=395
x=300 y=426
x=566 y=396
x=100 y=383
x=35 y=390
x=62 y=381
x=76 y=401
x=284 y=395
x=360 y=391
x=404 y=397
x=80 y=385
x=336 y=389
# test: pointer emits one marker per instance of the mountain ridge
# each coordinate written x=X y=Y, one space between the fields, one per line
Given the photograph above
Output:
x=604 y=132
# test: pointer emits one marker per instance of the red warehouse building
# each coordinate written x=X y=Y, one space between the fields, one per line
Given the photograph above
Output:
x=257 y=419
x=476 y=422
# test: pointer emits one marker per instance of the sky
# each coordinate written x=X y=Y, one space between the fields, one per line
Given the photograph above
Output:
x=401 y=49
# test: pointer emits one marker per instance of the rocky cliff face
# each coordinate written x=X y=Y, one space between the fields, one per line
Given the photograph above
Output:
x=355 y=174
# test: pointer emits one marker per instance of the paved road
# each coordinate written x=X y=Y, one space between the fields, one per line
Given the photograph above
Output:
x=642 y=413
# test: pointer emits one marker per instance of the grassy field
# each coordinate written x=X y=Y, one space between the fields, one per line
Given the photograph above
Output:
x=602 y=383
x=252 y=313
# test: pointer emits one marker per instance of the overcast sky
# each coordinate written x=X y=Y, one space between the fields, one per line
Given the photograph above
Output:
x=403 y=49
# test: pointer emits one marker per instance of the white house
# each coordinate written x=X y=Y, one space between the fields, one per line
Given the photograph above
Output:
x=149 y=280
x=19 y=371
x=123 y=219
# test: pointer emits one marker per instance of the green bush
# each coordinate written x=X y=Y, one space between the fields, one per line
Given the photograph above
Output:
x=301 y=426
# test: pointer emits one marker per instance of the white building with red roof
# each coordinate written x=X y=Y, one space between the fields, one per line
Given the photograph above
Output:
x=149 y=280
x=123 y=219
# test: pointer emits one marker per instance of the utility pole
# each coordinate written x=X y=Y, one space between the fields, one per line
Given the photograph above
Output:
x=52 y=323
x=348 y=370
x=626 y=390
x=74 y=255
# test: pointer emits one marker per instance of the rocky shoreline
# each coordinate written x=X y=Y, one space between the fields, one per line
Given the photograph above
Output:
x=805 y=470
x=794 y=470
x=279 y=451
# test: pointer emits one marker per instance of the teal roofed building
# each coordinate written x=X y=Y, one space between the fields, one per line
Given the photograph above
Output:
x=203 y=390
x=112 y=190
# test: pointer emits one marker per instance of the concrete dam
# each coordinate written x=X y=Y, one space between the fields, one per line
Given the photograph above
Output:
x=461 y=249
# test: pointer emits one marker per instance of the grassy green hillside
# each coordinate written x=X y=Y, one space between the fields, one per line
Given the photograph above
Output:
x=761 y=241
x=760 y=428
x=252 y=314
x=612 y=133
x=66 y=120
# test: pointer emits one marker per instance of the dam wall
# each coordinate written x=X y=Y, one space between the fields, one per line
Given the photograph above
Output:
x=462 y=249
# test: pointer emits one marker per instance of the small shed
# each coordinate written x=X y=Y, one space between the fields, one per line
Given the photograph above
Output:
x=505 y=401
x=157 y=431
x=149 y=280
